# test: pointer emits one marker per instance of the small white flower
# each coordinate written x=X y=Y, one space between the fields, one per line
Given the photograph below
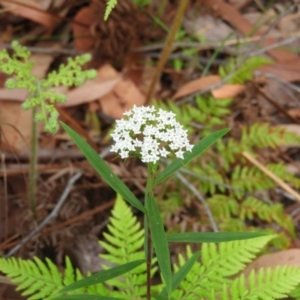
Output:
x=149 y=134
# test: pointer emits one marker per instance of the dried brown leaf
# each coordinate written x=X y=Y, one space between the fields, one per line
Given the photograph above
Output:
x=196 y=85
x=228 y=91
x=290 y=257
x=32 y=10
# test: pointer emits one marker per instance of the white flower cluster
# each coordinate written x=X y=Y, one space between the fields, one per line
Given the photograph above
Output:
x=149 y=134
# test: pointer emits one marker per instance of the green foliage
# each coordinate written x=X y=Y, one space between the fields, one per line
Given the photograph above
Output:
x=40 y=94
x=206 y=113
x=110 y=5
x=212 y=277
x=209 y=278
x=142 y=3
x=102 y=168
x=41 y=280
x=224 y=207
x=124 y=244
x=244 y=72
x=256 y=136
x=265 y=284
x=234 y=187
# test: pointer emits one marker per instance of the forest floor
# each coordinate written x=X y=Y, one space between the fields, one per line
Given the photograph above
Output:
x=233 y=64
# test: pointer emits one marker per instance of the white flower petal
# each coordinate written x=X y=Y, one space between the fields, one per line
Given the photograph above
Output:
x=150 y=134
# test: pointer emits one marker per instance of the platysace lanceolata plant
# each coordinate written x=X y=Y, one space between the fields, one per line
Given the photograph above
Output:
x=149 y=134
x=40 y=91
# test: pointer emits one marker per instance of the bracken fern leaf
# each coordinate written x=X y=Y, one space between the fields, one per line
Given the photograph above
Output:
x=266 y=284
x=217 y=264
x=36 y=278
x=124 y=244
x=110 y=5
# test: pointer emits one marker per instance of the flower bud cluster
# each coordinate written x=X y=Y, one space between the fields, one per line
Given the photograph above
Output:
x=149 y=134
x=40 y=93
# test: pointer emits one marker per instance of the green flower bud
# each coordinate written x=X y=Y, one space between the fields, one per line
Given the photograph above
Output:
x=39 y=117
x=60 y=98
x=85 y=58
x=10 y=83
x=51 y=126
x=26 y=105
x=91 y=74
x=78 y=81
x=15 y=45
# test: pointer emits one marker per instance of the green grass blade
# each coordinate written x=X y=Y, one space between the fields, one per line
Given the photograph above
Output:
x=199 y=148
x=103 y=276
x=160 y=243
x=182 y=272
x=102 y=168
x=212 y=237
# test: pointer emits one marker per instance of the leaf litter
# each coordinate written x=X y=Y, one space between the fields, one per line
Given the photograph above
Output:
x=56 y=29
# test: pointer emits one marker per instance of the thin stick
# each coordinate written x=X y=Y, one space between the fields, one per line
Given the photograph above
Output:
x=271 y=175
x=167 y=49
x=52 y=215
x=5 y=195
x=201 y=199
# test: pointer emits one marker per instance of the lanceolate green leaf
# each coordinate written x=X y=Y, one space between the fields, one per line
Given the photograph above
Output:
x=180 y=275
x=85 y=297
x=160 y=243
x=212 y=237
x=102 y=168
x=199 y=148
x=103 y=276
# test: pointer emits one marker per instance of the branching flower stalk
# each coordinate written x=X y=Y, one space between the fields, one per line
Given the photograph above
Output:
x=41 y=96
x=149 y=134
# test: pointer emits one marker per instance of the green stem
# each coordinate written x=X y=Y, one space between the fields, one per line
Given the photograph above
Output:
x=148 y=240
x=34 y=146
x=33 y=163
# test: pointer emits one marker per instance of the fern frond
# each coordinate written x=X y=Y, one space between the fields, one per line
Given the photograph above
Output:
x=263 y=135
x=252 y=207
x=110 y=5
x=206 y=110
x=223 y=207
x=229 y=150
x=125 y=241
x=212 y=179
x=217 y=264
x=265 y=284
x=37 y=279
x=43 y=280
x=249 y=179
x=235 y=225
x=244 y=72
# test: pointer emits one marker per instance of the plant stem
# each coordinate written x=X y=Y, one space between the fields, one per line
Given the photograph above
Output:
x=148 y=263
x=167 y=49
x=33 y=163
x=148 y=240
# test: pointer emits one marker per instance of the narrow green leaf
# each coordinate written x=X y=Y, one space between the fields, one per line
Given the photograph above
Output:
x=182 y=272
x=212 y=237
x=160 y=243
x=103 y=276
x=102 y=168
x=85 y=297
x=199 y=148
x=159 y=297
